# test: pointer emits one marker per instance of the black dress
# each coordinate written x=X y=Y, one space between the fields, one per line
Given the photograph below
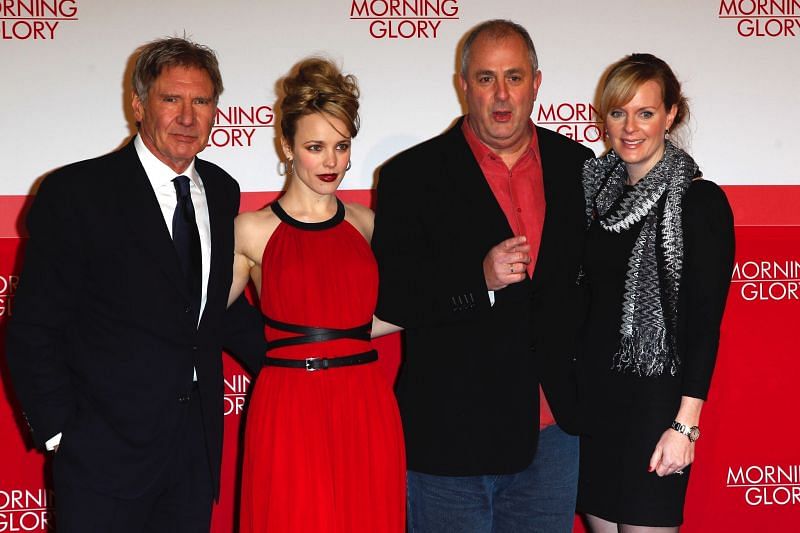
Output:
x=624 y=414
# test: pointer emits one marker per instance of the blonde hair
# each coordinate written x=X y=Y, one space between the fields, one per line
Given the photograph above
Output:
x=316 y=85
x=629 y=73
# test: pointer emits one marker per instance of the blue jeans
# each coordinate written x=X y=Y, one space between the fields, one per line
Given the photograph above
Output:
x=539 y=499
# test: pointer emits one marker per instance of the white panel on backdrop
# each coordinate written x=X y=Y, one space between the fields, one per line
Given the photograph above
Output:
x=65 y=98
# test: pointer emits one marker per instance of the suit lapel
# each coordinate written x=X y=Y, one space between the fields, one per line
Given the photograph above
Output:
x=139 y=207
x=548 y=173
x=550 y=181
x=467 y=180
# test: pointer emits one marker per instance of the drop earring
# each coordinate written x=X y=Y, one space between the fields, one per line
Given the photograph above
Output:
x=286 y=168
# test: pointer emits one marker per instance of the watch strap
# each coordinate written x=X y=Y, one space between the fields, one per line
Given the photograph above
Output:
x=692 y=432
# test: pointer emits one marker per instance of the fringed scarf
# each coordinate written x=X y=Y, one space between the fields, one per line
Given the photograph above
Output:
x=648 y=345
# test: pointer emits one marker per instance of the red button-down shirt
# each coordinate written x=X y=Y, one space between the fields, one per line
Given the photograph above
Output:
x=519 y=191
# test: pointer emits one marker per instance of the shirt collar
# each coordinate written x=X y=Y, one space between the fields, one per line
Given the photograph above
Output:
x=158 y=172
x=482 y=152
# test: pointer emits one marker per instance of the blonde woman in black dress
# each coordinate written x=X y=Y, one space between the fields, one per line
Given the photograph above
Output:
x=657 y=268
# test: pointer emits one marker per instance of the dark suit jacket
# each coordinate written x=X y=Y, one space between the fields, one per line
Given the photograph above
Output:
x=468 y=387
x=102 y=342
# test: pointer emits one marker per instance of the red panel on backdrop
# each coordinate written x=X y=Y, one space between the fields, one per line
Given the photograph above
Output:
x=25 y=503
x=747 y=475
x=760 y=205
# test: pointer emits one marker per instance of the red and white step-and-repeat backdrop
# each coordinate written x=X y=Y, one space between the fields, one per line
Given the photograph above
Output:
x=65 y=95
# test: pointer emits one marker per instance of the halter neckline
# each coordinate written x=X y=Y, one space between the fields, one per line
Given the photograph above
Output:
x=313 y=226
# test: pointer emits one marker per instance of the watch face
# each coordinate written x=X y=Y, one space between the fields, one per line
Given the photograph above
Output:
x=694 y=433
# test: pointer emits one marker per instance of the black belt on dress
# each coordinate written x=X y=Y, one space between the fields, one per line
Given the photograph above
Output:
x=324 y=363
x=310 y=334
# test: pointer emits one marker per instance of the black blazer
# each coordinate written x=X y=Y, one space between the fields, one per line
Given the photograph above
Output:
x=468 y=387
x=102 y=342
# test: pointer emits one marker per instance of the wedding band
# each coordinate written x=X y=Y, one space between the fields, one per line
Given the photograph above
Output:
x=679 y=472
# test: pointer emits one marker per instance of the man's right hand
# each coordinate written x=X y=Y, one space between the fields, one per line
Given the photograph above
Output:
x=507 y=263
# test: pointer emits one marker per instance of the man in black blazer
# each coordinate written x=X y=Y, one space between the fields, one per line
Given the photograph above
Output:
x=115 y=345
x=456 y=238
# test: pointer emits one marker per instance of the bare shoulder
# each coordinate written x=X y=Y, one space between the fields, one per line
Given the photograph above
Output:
x=258 y=218
x=361 y=217
x=252 y=230
x=359 y=210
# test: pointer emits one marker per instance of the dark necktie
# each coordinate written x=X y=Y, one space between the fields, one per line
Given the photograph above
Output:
x=187 y=242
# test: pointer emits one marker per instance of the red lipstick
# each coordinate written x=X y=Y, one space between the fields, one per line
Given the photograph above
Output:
x=327 y=178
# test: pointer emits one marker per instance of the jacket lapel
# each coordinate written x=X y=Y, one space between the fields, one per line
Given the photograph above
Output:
x=139 y=207
x=548 y=173
x=467 y=180
x=550 y=180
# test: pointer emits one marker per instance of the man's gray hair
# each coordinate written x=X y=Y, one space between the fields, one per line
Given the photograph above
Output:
x=171 y=52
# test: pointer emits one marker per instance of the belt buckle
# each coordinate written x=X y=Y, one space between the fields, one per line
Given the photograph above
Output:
x=310 y=362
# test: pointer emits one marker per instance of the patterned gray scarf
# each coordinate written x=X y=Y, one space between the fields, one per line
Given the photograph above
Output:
x=648 y=346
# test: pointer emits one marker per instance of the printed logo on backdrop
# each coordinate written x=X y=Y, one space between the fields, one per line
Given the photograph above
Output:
x=235 y=394
x=767 y=280
x=8 y=286
x=23 y=20
x=577 y=120
x=26 y=510
x=762 y=18
x=766 y=485
x=237 y=126
x=404 y=19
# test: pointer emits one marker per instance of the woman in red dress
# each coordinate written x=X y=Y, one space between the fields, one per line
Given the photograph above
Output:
x=323 y=444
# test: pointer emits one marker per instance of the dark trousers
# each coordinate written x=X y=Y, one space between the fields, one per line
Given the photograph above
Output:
x=178 y=502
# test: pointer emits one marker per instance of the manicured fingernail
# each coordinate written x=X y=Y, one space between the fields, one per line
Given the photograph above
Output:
x=649 y=468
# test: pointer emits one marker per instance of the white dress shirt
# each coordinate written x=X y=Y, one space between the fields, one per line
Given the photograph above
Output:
x=161 y=176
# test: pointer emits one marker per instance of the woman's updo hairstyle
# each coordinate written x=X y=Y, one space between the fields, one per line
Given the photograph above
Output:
x=629 y=73
x=316 y=85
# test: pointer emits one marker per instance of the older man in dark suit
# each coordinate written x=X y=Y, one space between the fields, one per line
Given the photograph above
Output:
x=115 y=345
x=478 y=236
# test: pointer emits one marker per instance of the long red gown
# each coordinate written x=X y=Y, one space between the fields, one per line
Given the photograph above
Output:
x=323 y=449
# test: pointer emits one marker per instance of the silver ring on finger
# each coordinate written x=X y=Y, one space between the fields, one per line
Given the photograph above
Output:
x=511 y=268
x=679 y=472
